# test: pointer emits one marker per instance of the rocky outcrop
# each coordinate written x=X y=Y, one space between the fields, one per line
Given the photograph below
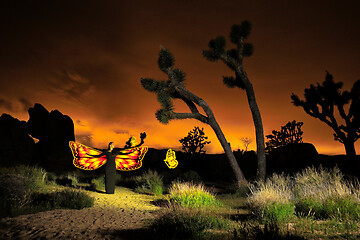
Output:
x=54 y=131
x=292 y=158
x=16 y=146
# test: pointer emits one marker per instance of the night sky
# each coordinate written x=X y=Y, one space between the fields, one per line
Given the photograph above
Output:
x=85 y=58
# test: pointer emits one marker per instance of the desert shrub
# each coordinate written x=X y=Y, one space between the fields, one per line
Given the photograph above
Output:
x=68 y=198
x=321 y=183
x=23 y=190
x=68 y=180
x=16 y=186
x=150 y=182
x=340 y=207
x=184 y=223
x=326 y=194
x=343 y=207
x=97 y=183
x=270 y=231
x=308 y=207
x=13 y=194
x=272 y=200
x=318 y=193
x=35 y=176
x=187 y=194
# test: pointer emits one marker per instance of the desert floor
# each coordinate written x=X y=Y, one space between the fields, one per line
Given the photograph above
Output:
x=123 y=215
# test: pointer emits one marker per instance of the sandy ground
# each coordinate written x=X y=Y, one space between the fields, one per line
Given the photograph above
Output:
x=123 y=215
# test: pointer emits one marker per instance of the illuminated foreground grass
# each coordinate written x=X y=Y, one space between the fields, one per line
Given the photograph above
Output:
x=124 y=198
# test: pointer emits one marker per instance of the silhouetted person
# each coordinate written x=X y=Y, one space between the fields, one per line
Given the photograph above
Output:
x=110 y=166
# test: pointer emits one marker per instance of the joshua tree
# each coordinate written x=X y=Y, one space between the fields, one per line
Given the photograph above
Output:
x=195 y=141
x=321 y=101
x=233 y=58
x=174 y=88
x=290 y=133
x=246 y=142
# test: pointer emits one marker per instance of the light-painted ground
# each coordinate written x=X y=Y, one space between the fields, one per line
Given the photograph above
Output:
x=124 y=198
x=122 y=215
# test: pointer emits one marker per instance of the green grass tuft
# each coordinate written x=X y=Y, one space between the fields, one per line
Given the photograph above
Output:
x=98 y=183
x=191 y=195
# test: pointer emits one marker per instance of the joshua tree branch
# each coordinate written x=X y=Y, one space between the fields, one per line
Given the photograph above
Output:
x=197 y=116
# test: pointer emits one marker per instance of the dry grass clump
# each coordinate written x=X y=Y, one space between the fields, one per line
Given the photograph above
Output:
x=277 y=188
x=177 y=222
x=272 y=200
x=325 y=193
x=319 y=193
x=322 y=184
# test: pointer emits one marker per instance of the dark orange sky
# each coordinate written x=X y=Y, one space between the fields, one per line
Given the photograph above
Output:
x=86 y=58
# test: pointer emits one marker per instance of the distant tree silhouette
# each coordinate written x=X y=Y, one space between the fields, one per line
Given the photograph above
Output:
x=320 y=102
x=195 y=141
x=290 y=133
x=174 y=88
x=233 y=58
x=246 y=142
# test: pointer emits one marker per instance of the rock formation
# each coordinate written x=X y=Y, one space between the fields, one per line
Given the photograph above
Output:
x=16 y=146
x=292 y=158
x=54 y=131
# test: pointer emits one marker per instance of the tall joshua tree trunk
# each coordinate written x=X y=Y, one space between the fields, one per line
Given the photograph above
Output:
x=259 y=130
x=229 y=153
x=174 y=89
x=350 y=149
x=210 y=119
x=233 y=59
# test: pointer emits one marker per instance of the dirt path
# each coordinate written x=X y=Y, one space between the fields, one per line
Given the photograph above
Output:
x=120 y=216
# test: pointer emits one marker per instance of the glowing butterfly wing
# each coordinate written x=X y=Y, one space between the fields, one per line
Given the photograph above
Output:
x=83 y=156
x=130 y=159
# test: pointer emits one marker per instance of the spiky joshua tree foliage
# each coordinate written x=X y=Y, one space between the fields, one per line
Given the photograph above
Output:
x=173 y=88
x=321 y=101
x=233 y=58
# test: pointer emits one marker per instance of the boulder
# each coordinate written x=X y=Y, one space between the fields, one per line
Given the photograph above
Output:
x=292 y=158
x=54 y=131
x=16 y=146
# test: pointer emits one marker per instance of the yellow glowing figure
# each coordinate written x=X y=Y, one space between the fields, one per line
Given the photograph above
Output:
x=170 y=160
x=133 y=141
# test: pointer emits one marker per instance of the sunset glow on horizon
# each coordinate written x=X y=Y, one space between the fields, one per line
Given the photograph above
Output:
x=86 y=60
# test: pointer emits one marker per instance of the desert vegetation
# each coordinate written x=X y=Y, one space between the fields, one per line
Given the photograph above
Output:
x=26 y=189
x=315 y=203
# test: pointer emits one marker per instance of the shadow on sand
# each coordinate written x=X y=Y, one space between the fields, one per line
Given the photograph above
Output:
x=139 y=234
